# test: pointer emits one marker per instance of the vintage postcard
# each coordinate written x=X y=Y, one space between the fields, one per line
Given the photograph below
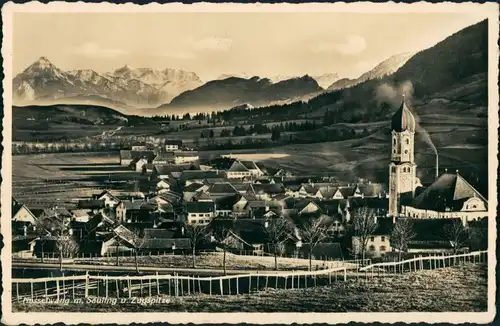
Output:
x=243 y=163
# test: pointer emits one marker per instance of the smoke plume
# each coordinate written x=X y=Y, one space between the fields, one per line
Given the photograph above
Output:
x=394 y=95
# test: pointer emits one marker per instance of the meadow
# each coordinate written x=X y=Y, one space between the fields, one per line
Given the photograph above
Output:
x=454 y=289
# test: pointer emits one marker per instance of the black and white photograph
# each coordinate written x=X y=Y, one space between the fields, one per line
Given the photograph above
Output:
x=335 y=159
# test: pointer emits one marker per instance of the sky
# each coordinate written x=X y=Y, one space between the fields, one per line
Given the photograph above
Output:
x=210 y=44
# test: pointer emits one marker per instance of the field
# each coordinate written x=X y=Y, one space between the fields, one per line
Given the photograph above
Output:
x=212 y=261
x=455 y=289
x=62 y=177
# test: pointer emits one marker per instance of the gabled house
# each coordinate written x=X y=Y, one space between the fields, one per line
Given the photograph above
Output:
x=224 y=205
x=125 y=157
x=238 y=171
x=134 y=211
x=140 y=165
x=164 y=158
x=110 y=200
x=95 y=205
x=200 y=212
x=192 y=189
x=173 y=144
x=379 y=242
x=22 y=214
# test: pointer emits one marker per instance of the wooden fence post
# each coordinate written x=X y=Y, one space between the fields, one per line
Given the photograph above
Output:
x=57 y=289
x=129 y=285
x=249 y=284
x=157 y=284
x=106 y=280
x=221 y=287
x=117 y=289
x=345 y=274
x=150 y=284
x=276 y=281
x=189 y=286
x=267 y=279
x=86 y=284
x=237 y=285
x=199 y=285
x=46 y=294
x=210 y=285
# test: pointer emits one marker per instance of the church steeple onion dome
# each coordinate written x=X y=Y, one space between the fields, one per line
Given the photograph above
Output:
x=403 y=119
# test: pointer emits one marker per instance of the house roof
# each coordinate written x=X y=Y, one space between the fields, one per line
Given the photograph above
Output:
x=347 y=191
x=227 y=202
x=449 y=190
x=103 y=193
x=95 y=221
x=149 y=155
x=185 y=154
x=331 y=250
x=200 y=207
x=221 y=188
x=125 y=234
x=138 y=205
x=164 y=156
x=403 y=119
x=237 y=166
x=166 y=169
x=57 y=211
x=199 y=174
x=276 y=188
x=91 y=203
x=163 y=243
x=158 y=234
x=372 y=189
x=125 y=154
x=193 y=187
x=173 y=142
x=250 y=165
x=384 y=226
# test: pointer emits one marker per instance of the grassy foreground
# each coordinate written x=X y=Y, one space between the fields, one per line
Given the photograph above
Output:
x=460 y=288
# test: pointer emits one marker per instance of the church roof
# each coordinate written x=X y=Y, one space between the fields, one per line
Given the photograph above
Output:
x=449 y=190
x=403 y=119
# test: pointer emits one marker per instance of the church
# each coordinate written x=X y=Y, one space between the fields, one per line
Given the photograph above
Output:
x=449 y=196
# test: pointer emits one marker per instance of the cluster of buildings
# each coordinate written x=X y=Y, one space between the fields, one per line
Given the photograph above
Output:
x=183 y=192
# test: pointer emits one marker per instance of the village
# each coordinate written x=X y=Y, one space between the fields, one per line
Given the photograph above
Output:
x=234 y=205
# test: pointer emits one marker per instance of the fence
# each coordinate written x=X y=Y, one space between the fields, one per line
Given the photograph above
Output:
x=425 y=262
x=73 y=287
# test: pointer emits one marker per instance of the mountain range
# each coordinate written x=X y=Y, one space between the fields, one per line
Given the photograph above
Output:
x=128 y=88
x=44 y=83
x=384 y=68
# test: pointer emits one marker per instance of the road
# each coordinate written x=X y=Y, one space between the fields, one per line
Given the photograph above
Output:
x=144 y=269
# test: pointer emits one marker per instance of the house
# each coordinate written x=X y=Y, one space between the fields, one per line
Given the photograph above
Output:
x=81 y=215
x=140 y=165
x=139 y=148
x=200 y=212
x=378 y=242
x=198 y=176
x=238 y=171
x=173 y=145
x=166 y=171
x=241 y=169
x=224 y=205
x=185 y=157
x=321 y=251
x=268 y=191
x=431 y=236
x=110 y=200
x=164 y=184
x=192 y=189
x=60 y=213
x=449 y=196
x=95 y=205
x=164 y=158
x=22 y=214
x=134 y=211
x=125 y=157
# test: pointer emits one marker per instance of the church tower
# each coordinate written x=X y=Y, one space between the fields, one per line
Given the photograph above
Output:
x=402 y=169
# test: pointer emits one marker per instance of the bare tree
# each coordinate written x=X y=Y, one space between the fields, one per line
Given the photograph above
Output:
x=278 y=231
x=137 y=240
x=221 y=230
x=365 y=225
x=457 y=234
x=41 y=230
x=402 y=234
x=313 y=232
x=67 y=247
x=195 y=232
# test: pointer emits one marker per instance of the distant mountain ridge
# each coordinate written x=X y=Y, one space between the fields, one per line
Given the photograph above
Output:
x=384 y=68
x=234 y=91
x=44 y=82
